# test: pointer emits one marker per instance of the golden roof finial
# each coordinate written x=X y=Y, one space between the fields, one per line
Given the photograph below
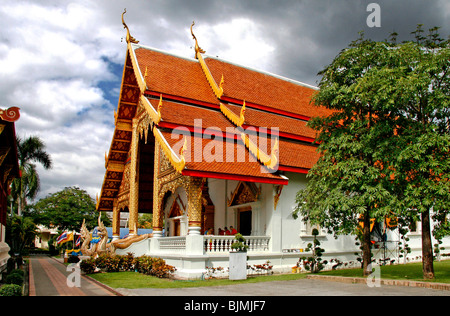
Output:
x=197 y=48
x=222 y=81
x=183 y=150
x=160 y=104
x=146 y=74
x=130 y=39
x=242 y=115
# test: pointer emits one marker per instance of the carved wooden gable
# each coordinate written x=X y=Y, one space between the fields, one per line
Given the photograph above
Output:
x=245 y=192
x=177 y=208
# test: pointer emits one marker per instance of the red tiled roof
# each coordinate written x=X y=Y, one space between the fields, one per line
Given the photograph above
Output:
x=188 y=115
x=174 y=75
x=181 y=78
x=233 y=159
x=257 y=118
x=264 y=89
x=271 y=101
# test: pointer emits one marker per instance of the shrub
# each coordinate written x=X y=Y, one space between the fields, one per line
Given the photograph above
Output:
x=127 y=262
x=18 y=271
x=160 y=269
x=239 y=244
x=73 y=259
x=115 y=263
x=144 y=264
x=314 y=263
x=88 y=266
x=14 y=278
x=11 y=290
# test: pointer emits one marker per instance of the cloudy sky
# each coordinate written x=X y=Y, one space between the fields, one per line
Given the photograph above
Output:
x=61 y=61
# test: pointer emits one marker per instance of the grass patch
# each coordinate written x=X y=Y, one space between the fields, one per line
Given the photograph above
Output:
x=134 y=280
x=409 y=271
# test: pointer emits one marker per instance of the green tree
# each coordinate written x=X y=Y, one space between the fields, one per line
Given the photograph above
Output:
x=145 y=220
x=66 y=210
x=29 y=151
x=422 y=167
x=20 y=233
x=385 y=148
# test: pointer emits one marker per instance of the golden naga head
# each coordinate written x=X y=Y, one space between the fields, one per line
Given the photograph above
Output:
x=130 y=39
x=198 y=50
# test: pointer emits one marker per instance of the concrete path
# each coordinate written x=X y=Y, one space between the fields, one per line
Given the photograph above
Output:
x=304 y=287
x=48 y=277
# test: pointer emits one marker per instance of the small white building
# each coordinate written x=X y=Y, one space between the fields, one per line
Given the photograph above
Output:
x=43 y=236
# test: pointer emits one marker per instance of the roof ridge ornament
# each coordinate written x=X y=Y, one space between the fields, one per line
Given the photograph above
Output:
x=130 y=39
x=11 y=114
x=198 y=49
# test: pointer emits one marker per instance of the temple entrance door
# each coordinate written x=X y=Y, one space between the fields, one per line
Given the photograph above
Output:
x=245 y=221
x=176 y=228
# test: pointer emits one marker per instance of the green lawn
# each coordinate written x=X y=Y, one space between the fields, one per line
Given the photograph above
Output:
x=410 y=271
x=134 y=280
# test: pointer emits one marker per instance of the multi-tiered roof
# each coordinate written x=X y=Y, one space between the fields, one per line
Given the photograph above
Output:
x=257 y=118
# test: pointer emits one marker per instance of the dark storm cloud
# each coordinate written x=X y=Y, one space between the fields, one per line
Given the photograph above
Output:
x=307 y=35
x=61 y=62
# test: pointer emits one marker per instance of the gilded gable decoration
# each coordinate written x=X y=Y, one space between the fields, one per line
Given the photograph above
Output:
x=245 y=192
x=269 y=161
x=178 y=162
x=218 y=90
x=178 y=208
x=237 y=120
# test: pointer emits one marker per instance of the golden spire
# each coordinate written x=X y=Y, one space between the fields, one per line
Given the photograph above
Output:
x=183 y=150
x=130 y=39
x=146 y=74
x=242 y=115
x=160 y=104
x=222 y=81
x=197 y=48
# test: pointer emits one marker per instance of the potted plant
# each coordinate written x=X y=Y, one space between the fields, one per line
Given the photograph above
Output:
x=314 y=263
x=238 y=259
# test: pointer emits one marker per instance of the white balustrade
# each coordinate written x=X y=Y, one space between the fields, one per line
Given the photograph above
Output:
x=172 y=244
x=211 y=244
x=221 y=244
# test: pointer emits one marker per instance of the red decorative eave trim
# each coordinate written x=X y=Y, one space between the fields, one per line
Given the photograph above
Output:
x=172 y=97
x=226 y=176
x=293 y=169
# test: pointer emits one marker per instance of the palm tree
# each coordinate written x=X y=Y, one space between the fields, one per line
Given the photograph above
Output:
x=29 y=150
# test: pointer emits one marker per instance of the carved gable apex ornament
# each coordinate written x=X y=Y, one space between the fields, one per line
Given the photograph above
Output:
x=245 y=192
x=10 y=115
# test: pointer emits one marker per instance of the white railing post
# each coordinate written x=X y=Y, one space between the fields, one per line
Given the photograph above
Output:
x=221 y=244
x=194 y=244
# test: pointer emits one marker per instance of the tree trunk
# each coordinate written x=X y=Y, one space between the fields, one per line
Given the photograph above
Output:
x=427 y=249
x=367 y=257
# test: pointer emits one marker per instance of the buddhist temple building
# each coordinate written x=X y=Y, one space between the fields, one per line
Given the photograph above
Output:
x=204 y=144
x=9 y=169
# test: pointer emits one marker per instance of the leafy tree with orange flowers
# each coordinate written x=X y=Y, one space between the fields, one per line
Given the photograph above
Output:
x=385 y=150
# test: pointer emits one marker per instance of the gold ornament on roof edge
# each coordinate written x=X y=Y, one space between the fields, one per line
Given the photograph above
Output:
x=197 y=48
x=130 y=39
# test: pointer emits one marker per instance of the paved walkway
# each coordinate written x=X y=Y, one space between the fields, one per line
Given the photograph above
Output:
x=303 y=287
x=48 y=277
